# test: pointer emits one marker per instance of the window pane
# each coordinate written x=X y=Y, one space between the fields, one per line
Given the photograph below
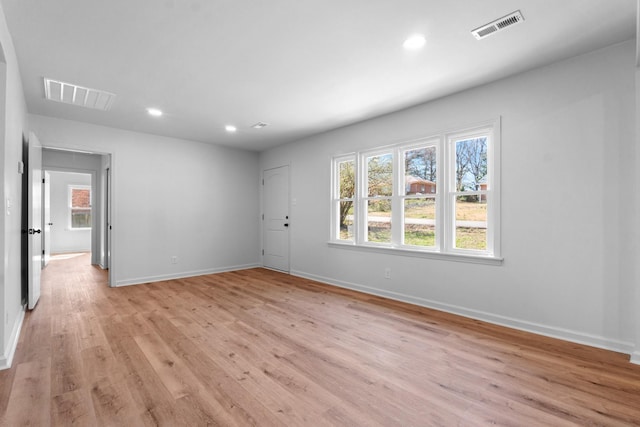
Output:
x=347 y=179
x=80 y=198
x=419 y=222
x=346 y=220
x=80 y=218
x=379 y=175
x=471 y=222
x=471 y=164
x=379 y=221
x=420 y=171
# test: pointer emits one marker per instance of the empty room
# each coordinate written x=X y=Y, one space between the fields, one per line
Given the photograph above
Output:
x=336 y=213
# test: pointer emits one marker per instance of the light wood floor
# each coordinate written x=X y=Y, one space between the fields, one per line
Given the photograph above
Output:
x=261 y=348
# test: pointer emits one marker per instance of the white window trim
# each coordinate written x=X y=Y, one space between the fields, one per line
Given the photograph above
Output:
x=70 y=208
x=445 y=198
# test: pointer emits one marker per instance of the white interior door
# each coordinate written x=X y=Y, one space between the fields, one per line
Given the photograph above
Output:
x=276 y=218
x=35 y=219
x=46 y=211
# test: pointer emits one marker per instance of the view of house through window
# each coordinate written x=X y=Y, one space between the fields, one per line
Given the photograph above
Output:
x=80 y=206
x=438 y=194
x=419 y=196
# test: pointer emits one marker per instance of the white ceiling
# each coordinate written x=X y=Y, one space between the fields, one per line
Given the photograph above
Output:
x=302 y=66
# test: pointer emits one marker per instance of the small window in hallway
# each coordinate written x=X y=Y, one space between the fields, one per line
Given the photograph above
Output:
x=80 y=205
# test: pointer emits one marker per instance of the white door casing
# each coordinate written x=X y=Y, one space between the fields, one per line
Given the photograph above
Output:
x=46 y=223
x=107 y=215
x=276 y=218
x=35 y=219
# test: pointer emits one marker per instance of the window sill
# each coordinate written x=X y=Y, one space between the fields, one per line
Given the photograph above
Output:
x=473 y=259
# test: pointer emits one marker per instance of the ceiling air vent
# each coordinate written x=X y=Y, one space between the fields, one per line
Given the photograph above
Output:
x=68 y=93
x=260 y=125
x=497 y=25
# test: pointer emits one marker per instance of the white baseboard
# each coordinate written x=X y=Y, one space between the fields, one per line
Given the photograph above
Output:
x=635 y=357
x=7 y=358
x=536 y=328
x=183 y=275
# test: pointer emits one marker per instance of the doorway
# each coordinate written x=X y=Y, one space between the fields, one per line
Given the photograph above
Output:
x=76 y=214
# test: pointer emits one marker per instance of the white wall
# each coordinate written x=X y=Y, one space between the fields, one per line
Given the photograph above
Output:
x=171 y=197
x=64 y=239
x=13 y=125
x=567 y=181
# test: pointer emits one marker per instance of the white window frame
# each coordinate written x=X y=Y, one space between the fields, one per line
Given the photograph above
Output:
x=445 y=197
x=71 y=208
x=335 y=197
x=492 y=170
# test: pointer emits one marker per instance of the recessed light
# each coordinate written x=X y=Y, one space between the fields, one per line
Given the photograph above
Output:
x=154 y=112
x=414 y=42
x=230 y=128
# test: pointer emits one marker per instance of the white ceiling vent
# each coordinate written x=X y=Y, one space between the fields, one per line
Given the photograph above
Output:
x=497 y=25
x=69 y=93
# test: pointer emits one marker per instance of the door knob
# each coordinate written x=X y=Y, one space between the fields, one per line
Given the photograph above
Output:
x=286 y=225
x=34 y=231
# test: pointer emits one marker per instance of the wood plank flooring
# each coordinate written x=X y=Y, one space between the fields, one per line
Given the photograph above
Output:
x=257 y=347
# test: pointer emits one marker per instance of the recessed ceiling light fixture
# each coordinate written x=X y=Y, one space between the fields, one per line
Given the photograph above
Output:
x=154 y=112
x=230 y=128
x=414 y=42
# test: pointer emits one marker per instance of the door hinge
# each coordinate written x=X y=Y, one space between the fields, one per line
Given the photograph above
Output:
x=263 y=217
x=43 y=252
x=43 y=180
x=263 y=252
x=262 y=181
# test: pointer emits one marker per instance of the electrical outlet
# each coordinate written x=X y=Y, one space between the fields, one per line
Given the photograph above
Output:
x=387 y=273
x=174 y=259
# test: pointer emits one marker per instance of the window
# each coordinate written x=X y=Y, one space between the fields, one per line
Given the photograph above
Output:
x=418 y=198
x=378 y=197
x=468 y=191
x=344 y=193
x=438 y=195
x=80 y=206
